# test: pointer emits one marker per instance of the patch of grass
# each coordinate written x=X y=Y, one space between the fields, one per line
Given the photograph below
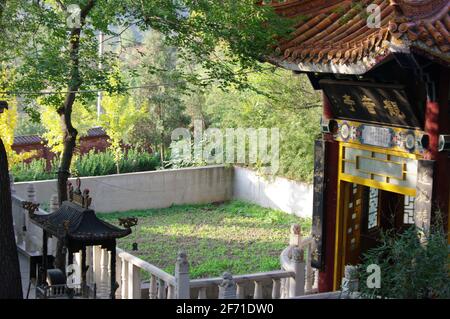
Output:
x=234 y=236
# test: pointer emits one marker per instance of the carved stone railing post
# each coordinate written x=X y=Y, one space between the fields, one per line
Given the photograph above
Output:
x=54 y=203
x=31 y=193
x=295 y=238
x=350 y=282
x=53 y=207
x=297 y=284
x=227 y=289
x=153 y=289
x=31 y=239
x=182 y=276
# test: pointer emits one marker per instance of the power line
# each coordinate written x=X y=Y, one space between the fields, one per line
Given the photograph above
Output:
x=123 y=89
x=86 y=91
x=149 y=86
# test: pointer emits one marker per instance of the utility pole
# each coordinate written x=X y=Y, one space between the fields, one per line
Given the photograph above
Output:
x=100 y=66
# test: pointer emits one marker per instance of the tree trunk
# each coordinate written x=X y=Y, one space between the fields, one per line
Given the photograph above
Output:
x=65 y=113
x=10 y=280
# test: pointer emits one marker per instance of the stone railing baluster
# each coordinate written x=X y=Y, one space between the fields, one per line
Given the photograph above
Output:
x=276 y=287
x=124 y=276
x=97 y=256
x=161 y=289
x=119 y=277
x=171 y=292
x=240 y=291
x=258 y=293
x=134 y=282
x=202 y=293
x=104 y=291
x=90 y=265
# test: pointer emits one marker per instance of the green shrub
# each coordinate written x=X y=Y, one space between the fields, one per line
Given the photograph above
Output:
x=137 y=161
x=33 y=171
x=409 y=268
x=90 y=164
x=95 y=164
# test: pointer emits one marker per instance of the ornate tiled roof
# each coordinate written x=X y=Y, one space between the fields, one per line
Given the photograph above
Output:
x=334 y=36
x=77 y=223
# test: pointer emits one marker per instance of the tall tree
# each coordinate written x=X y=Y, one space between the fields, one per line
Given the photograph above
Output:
x=57 y=46
x=11 y=284
x=160 y=76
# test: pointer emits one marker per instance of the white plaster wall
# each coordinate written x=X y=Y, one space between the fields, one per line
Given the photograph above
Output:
x=155 y=189
x=280 y=193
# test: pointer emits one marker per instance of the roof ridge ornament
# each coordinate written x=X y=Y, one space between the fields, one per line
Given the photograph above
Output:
x=77 y=196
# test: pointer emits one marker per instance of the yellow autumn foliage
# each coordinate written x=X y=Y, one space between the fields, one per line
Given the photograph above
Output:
x=120 y=113
x=8 y=122
x=82 y=120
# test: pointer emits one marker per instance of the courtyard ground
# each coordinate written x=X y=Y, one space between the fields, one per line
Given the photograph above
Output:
x=233 y=236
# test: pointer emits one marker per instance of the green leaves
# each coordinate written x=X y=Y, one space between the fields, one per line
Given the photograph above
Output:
x=279 y=100
x=409 y=269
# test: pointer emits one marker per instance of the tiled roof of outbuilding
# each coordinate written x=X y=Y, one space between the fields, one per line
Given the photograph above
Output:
x=35 y=139
x=333 y=35
x=27 y=140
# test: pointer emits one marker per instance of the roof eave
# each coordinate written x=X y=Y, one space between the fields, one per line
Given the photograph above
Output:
x=360 y=67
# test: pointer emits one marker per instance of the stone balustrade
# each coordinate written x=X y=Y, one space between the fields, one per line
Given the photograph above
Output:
x=296 y=277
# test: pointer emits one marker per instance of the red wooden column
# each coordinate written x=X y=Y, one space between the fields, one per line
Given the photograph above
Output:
x=330 y=202
x=437 y=121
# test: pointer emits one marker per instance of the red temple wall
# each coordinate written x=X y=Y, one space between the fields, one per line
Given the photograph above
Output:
x=98 y=143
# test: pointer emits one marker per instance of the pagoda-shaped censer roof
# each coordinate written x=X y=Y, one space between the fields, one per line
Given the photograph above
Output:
x=75 y=220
